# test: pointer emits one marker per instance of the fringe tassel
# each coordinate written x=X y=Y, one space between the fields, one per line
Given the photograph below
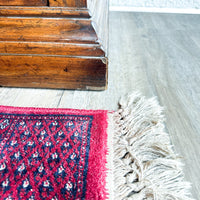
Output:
x=145 y=165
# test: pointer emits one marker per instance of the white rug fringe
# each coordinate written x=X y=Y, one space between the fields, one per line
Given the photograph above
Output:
x=145 y=165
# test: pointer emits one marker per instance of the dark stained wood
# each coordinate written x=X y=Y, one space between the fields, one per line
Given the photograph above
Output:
x=68 y=3
x=56 y=46
x=23 y=2
x=45 y=29
x=44 y=11
x=50 y=48
x=53 y=72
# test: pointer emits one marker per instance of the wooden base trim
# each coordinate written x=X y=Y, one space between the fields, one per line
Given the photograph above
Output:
x=53 y=72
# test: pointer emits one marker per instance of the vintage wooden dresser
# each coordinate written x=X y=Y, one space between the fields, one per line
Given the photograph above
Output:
x=54 y=43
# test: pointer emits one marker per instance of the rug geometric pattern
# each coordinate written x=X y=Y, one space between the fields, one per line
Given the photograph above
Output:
x=44 y=156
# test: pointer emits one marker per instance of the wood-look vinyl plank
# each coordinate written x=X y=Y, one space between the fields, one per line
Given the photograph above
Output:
x=157 y=54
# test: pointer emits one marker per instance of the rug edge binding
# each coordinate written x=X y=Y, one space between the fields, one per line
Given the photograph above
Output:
x=110 y=157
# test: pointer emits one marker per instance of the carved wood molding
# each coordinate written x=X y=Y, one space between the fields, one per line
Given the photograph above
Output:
x=55 y=46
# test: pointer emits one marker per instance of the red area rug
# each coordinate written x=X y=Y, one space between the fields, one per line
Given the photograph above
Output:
x=64 y=154
x=52 y=154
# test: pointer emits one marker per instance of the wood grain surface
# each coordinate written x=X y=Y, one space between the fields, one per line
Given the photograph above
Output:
x=23 y=2
x=51 y=48
x=68 y=3
x=53 y=72
x=157 y=54
x=47 y=29
x=68 y=12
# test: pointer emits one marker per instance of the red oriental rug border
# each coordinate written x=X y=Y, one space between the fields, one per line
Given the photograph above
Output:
x=130 y=156
x=96 y=172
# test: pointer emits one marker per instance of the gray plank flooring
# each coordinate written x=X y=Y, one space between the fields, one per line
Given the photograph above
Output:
x=157 y=54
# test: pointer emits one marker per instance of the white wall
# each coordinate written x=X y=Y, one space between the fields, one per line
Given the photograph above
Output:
x=182 y=4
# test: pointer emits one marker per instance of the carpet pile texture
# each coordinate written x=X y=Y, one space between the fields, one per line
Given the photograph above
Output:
x=65 y=154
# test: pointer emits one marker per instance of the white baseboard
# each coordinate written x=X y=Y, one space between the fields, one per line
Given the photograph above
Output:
x=155 y=10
